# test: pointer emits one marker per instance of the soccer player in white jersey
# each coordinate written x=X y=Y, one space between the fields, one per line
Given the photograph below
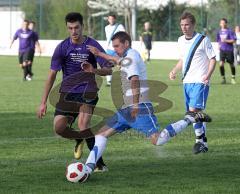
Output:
x=137 y=111
x=112 y=28
x=197 y=69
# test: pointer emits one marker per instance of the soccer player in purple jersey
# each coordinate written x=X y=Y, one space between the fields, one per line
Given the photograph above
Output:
x=25 y=36
x=34 y=43
x=78 y=92
x=226 y=38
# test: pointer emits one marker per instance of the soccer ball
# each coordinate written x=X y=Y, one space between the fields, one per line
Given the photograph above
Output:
x=76 y=172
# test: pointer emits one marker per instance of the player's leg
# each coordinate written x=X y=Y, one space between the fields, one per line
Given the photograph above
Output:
x=99 y=147
x=221 y=66
x=25 y=65
x=84 y=118
x=20 y=59
x=197 y=103
x=230 y=60
x=30 y=62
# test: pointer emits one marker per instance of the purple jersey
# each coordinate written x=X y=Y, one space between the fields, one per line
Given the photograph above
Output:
x=68 y=57
x=25 y=39
x=226 y=34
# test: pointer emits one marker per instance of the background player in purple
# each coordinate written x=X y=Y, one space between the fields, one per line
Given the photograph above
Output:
x=226 y=38
x=34 y=43
x=25 y=37
x=78 y=92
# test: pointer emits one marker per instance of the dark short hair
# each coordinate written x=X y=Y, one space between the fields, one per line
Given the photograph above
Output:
x=225 y=20
x=123 y=37
x=27 y=21
x=32 y=22
x=74 y=17
x=112 y=15
x=188 y=15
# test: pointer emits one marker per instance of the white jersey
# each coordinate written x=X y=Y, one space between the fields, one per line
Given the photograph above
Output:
x=238 y=38
x=200 y=61
x=136 y=67
x=110 y=30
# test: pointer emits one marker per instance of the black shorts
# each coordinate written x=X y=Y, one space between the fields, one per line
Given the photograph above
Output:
x=24 y=56
x=31 y=55
x=227 y=56
x=69 y=103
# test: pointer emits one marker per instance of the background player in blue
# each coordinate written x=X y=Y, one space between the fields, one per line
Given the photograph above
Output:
x=78 y=92
x=137 y=110
x=196 y=79
x=26 y=37
x=226 y=38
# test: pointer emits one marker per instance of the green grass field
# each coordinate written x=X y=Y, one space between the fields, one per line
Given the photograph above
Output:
x=33 y=159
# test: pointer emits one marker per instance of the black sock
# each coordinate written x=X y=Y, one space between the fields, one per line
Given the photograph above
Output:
x=222 y=71
x=30 y=70
x=25 y=72
x=233 y=70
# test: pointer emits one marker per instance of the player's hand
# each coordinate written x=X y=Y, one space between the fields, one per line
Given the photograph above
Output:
x=87 y=67
x=172 y=75
x=205 y=79
x=134 y=111
x=41 y=112
x=93 y=50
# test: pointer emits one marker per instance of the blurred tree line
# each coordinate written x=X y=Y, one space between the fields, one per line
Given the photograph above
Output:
x=49 y=16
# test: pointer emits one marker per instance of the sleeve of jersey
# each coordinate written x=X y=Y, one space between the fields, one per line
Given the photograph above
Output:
x=209 y=48
x=233 y=36
x=101 y=61
x=57 y=59
x=180 y=50
x=121 y=28
x=15 y=36
x=36 y=37
x=133 y=68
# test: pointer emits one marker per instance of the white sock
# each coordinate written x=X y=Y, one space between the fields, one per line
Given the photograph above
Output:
x=199 y=128
x=171 y=131
x=96 y=153
x=109 y=78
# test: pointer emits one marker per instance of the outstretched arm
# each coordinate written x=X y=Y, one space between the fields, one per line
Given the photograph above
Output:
x=48 y=86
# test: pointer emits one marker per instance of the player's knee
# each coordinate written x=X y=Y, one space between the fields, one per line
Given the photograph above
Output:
x=59 y=128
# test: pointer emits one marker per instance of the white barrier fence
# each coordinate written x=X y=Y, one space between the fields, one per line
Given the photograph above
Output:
x=160 y=50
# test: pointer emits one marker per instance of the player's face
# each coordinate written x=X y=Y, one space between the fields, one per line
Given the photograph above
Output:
x=222 y=24
x=120 y=47
x=25 y=25
x=187 y=27
x=31 y=26
x=75 y=30
x=111 y=20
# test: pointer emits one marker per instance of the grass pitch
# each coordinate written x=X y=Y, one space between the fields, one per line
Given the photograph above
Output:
x=33 y=158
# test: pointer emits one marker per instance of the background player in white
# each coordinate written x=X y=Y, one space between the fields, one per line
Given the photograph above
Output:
x=137 y=110
x=112 y=28
x=196 y=81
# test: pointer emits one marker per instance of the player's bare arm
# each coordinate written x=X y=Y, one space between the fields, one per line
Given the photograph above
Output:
x=96 y=52
x=87 y=67
x=135 y=86
x=48 y=86
x=178 y=67
x=211 y=67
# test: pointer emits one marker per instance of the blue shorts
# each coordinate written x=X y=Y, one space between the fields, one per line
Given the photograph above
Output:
x=195 y=95
x=111 y=52
x=145 y=122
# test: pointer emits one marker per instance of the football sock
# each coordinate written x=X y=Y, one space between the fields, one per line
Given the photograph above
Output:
x=199 y=129
x=172 y=130
x=222 y=71
x=90 y=143
x=25 y=72
x=96 y=153
x=233 y=70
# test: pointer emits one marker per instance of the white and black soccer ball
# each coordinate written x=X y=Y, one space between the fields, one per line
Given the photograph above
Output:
x=76 y=172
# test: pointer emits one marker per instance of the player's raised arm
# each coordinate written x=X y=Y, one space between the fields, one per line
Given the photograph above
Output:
x=98 y=53
x=48 y=86
x=178 y=67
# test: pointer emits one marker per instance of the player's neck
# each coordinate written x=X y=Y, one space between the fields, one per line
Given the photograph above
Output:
x=80 y=40
x=190 y=36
